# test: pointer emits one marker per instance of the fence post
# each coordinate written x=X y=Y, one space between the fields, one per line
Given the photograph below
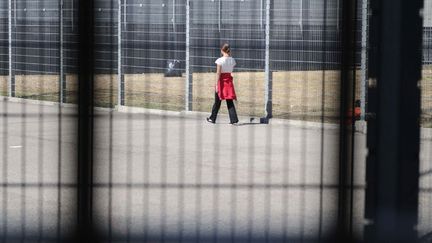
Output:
x=268 y=74
x=220 y=15
x=364 y=51
x=85 y=230
x=120 y=77
x=11 y=78
x=62 y=78
x=393 y=142
x=338 y=21
x=188 y=81
x=261 y=14
x=301 y=16
x=174 y=16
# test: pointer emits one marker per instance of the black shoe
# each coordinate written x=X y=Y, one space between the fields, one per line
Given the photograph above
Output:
x=210 y=120
x=234 y=123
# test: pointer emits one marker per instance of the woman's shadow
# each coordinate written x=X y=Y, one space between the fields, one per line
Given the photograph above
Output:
x=252 y=122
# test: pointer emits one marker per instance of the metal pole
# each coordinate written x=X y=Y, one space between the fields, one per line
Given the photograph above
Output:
x=261 y=14
x=174 y=17
x=72 y=14
x=392 y=164
x=219 y=14
x=188 y=81
x=15 y=12
x=364 y=46
x=120 y=77
x=337 y=14
x=62 y=79
x=124 y=14
x=268 y=74
x=301 y=16
x=85 y=228
x=346 y=135
x=11 y=78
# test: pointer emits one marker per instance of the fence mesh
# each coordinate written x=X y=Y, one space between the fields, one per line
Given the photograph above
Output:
x=153 y=37
x=169 y=176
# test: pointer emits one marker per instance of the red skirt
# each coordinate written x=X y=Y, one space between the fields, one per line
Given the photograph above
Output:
x=226 y=87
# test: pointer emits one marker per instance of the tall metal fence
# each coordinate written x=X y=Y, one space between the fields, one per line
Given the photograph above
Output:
x=296 y=28
x=163 y=177
x=139 y=40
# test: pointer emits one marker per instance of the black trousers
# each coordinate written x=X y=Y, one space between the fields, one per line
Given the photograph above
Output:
x=231 y=109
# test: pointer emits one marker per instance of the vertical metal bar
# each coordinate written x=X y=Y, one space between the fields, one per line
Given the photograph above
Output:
x=85 y=227
x=268 y=74
x=72 y=14
x=62 y=79
x=346 y=135
x=337 y=14
x=188 y=81
x=219 y=14
x=15 y=12
x=261 y=14
x=124 y=14
x=174 y=16
x=62 y=99
x=323 y=132
x=301 y=15
x=120 y=78
x=364 y=46
x=392 y=179
x=11 y=78
x=60 y=129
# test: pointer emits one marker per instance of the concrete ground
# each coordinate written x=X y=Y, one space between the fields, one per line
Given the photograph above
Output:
x=178 y=177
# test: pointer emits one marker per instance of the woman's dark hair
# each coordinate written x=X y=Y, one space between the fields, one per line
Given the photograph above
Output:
x=226 y=48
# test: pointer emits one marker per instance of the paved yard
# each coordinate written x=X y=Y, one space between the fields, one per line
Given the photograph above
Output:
x=177 y=176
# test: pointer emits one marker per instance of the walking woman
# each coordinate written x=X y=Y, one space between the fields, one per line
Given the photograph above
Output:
x=224 y=88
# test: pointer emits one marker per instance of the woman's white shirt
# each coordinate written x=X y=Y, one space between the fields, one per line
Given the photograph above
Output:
x=227 y=64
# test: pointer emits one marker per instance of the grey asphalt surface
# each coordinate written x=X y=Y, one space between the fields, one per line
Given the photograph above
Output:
x=176 y=176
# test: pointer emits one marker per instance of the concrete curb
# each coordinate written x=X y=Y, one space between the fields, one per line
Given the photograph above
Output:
x=360 y=126
x=34 y=102
x=47 y=103
x=139 y=110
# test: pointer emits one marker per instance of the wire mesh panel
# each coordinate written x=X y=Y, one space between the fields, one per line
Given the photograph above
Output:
x=4 y=48
x=165 y=174
x=427 y=36
x=168 y=176
x=106 y=53
x=427 y=64
x=300 y=35
x=38 y=179
x=427 y=56
x=36 y=49
x=153 y=53
x=242 y=25
x=305 y=59
x=68 y=50
x=425 y=213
